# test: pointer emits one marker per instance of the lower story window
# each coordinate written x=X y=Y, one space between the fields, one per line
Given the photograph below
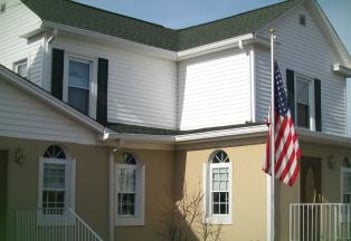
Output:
x=56 y=181
x=54 y=188
x=129 y=191
x=218 y=189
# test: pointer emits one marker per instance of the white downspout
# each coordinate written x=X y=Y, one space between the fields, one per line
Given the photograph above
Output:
x=112 y=200
x=46 y=63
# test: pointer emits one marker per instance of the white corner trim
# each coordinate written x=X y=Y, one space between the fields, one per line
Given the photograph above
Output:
x=215 y=47
x=343 y=70
x=14 y=80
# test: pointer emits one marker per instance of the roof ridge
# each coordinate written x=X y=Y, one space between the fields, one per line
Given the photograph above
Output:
x=283 y=2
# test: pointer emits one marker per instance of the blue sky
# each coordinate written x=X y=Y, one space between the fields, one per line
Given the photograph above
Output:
x=185 y=13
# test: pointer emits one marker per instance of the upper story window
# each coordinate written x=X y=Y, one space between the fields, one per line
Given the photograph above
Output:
x=130 y=190
x=79 y=81
x=56 y=181
x=21 y=67
x=302 y=19
x=304 y=102
x=219 y=189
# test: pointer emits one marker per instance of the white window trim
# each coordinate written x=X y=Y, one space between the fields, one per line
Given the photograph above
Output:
x=310 y=82
x=342 y=171
x=92 y=83
x=20 y=62
x=206 y=176
x=66 y=218
x=138 y=219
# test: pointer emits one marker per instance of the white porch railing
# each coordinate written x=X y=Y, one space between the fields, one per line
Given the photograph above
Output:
x=319 y=222
x=51 y=225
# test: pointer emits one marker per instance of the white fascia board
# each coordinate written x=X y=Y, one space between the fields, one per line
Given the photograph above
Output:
x=238 y=41
x=30 y=88
x=131 y=45
x=323 y=139
x=248 y=131
x=340 y=69
x=111 y=135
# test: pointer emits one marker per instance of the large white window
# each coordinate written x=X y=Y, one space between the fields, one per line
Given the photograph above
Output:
x=218 y=181
x=304 y=108
x=80 y=84
x=130 y=178
x=56 y=181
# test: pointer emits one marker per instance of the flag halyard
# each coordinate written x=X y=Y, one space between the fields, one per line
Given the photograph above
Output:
x=287 y=150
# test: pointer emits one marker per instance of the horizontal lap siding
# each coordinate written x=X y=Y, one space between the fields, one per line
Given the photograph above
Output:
x=141 y=89
x=214 y=90
x=305 y=50
x=15 y=21
x=24 y=117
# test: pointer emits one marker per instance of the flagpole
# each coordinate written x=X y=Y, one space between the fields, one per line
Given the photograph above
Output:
x=272 y=153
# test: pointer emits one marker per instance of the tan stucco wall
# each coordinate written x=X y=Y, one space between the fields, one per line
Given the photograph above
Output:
x=159 y=176
x=249 y=188
x=331 y=189
x=91 y=179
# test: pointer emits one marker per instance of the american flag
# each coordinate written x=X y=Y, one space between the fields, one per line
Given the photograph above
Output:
x=287 y=150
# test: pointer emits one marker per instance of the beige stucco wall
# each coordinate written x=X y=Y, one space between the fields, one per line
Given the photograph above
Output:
x=91 y=179
x=159 y=176
x=331 y=178
x=249 y=188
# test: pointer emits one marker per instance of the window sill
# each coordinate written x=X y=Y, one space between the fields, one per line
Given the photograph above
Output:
x=129 y=221
x=218 y=220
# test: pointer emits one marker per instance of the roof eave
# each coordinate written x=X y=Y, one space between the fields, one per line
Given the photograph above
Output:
x=132 y=45
x=237 y=41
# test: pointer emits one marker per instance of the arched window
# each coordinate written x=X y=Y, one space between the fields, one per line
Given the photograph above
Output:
x=130 y=190
x=55 y=151
x=219 y=188
x=56 y=181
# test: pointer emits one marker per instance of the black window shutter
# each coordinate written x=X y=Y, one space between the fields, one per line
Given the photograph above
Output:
x=101 y=115
x=57 y=73
x=290 y=84
x=318 y=104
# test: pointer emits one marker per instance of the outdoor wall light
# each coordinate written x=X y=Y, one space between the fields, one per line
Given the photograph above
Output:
x=346 y=162
x=19 y=155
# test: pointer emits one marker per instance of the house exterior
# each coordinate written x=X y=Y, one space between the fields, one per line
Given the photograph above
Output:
x=112 y=128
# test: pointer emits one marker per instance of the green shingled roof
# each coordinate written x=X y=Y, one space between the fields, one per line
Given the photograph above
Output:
x=93 y=19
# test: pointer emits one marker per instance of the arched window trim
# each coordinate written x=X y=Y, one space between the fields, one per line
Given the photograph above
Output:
x=212 y=169
x=123 y=167
x=53 y=163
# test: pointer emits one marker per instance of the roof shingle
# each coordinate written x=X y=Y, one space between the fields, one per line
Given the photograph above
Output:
x=89 y=18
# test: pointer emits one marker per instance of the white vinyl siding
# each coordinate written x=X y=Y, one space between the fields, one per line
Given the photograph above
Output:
x=305 y=50
x=214 y=90
x=16 y=21
x=141 y=89
x=25 y=117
